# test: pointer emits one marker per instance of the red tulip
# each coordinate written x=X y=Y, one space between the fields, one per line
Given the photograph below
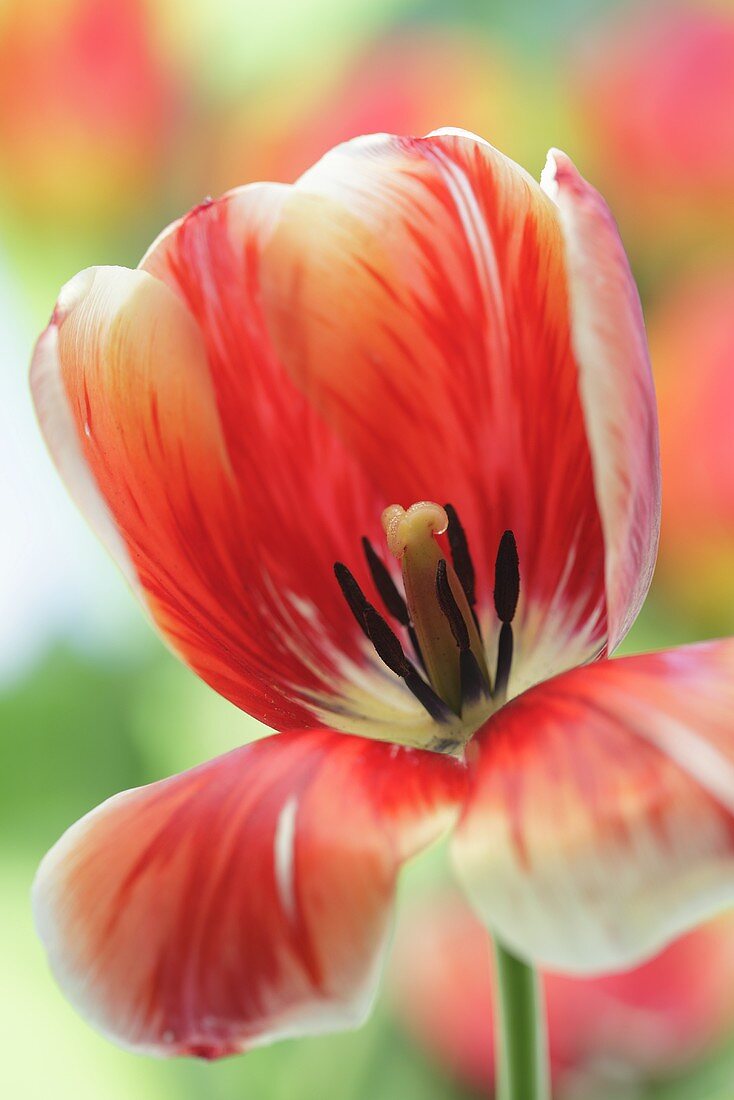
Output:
x=652 y=1020
x=692 y=338
x=85 y=108
x=414 y=320
x=655 y=87
x=404 y=83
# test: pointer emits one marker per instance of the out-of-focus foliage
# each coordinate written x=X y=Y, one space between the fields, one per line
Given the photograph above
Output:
x=115 y=117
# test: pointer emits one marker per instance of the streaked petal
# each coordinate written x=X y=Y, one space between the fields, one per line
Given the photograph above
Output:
x=243 y=901
x=214 y=485
x=415 y=288
x=616 y=389
x=600 y=821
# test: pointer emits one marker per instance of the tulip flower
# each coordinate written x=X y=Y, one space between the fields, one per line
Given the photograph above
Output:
x=86 y=109
x=400 y=83
x=692 y=342
x=647 y=1022
x=378 y=451
x=653 y=86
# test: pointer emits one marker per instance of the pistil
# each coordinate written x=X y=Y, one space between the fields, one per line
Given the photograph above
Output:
x=436 y=617
x=437 y=604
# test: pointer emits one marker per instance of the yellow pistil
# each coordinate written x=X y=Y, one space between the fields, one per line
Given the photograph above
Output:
x=411 y=538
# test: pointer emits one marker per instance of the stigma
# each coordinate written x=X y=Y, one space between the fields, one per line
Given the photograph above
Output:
x=442 y=619
x=446 y=665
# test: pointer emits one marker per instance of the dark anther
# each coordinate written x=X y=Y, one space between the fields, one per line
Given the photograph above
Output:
x=389 y=650
x=506 y=578
x=385 y=585
x=390 y=595
x=447 y=603
x=460 y=554
x=473 y=684
x=387 y=645
x=353 y=594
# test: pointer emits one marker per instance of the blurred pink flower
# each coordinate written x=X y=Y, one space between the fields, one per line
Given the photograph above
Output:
x=403 y=83
x=692 y=340
x=655 y=88
x=657 y=1017
x=86 y=106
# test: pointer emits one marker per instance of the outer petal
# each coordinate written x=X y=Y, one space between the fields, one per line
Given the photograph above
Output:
x=616 y=390
x=245 y=900
x=213 y=484
x=599 y=824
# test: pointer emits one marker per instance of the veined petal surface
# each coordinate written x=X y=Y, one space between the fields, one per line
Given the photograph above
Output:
x=396 y=326
x=600 y=819
x=243 y=901
x=616 y=389
x=428 y=280
x=216 y=491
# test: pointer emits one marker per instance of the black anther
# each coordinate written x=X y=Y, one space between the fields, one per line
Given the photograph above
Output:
x=353 y=594
x=460 y=554
x=387 y=645
x=449 y=606
x=385 y=585
x=506 y=578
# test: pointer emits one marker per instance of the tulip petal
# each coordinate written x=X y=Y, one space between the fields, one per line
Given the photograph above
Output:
x=243 y=901
x=415 y=288
x=216 y=489
x=600 y=820
x=616 y=389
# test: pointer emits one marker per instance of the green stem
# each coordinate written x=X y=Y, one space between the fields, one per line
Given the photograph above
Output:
x=521 y=1053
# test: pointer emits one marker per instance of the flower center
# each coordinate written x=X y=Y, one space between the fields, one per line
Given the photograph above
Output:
x=448 y=672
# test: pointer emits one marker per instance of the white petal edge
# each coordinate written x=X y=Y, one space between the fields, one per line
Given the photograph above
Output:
x=615 y=387
x=59 y=429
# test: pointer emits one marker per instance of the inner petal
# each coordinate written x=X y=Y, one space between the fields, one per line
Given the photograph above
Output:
x=447 y=366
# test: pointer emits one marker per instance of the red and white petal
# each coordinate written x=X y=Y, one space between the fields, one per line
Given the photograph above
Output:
x=212 y=483
x=244 y=901
x=616 y=390
x=600 y=818
x=394 y=327
x=415 y=289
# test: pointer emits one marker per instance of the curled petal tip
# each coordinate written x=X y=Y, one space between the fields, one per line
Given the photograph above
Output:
x=71 y=293
x=559 y=171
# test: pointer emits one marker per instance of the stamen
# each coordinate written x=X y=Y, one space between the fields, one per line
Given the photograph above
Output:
x=388 y=649
x=386 y=644
x=450 y=607
x=353 y=594
x=506 y=594
x=504 y=663
x=411 y=537
x=473 y=684
x=506 y=578
x=385 y=585
x=460 y=555
x=390 y=595
x=437 y=612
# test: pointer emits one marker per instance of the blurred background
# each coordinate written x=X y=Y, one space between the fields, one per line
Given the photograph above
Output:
x=116 y=116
